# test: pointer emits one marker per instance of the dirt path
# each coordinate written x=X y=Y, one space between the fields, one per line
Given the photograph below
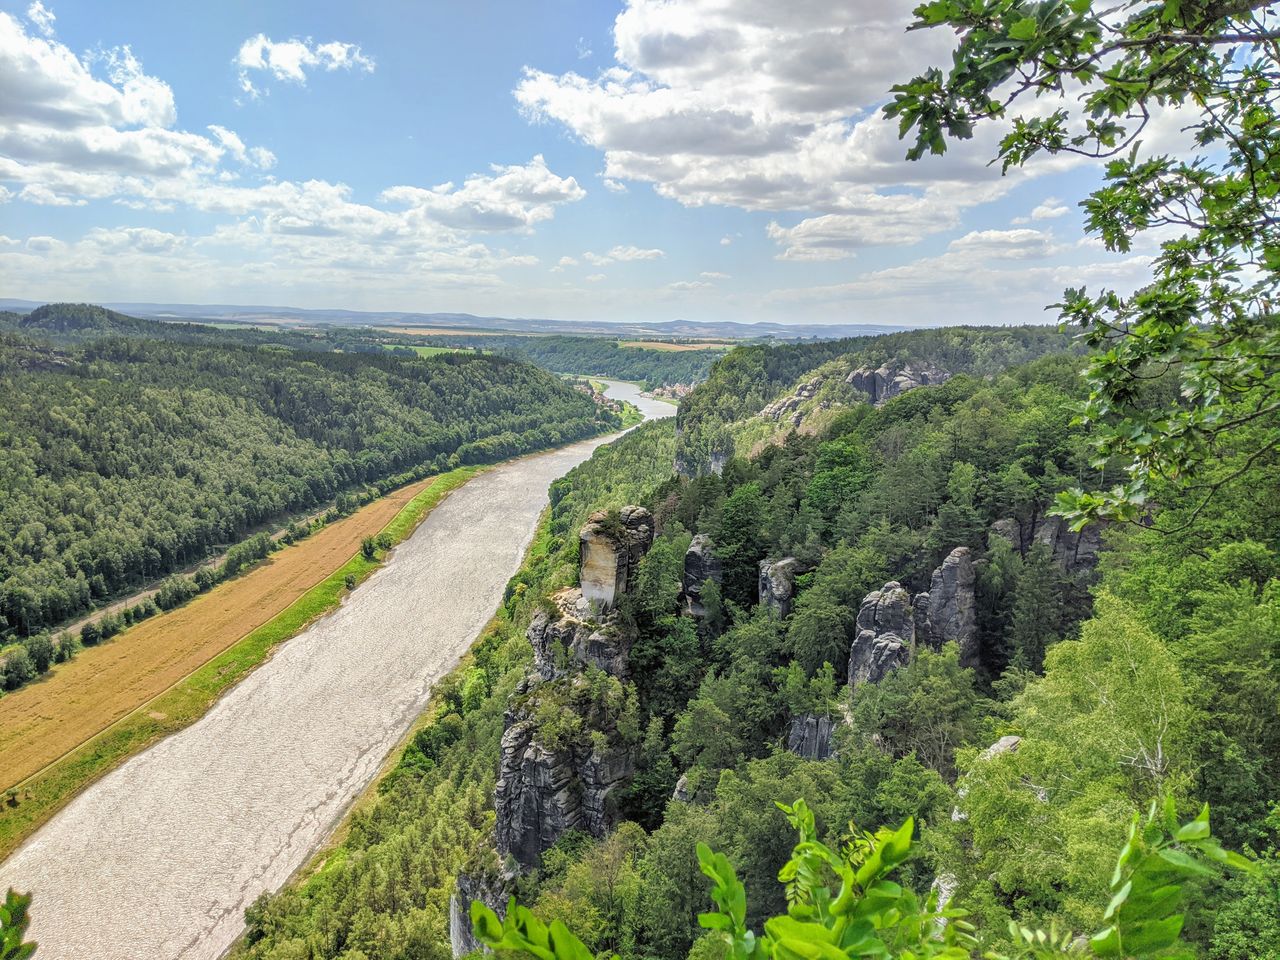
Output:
x=159 y=859
x=43 y=720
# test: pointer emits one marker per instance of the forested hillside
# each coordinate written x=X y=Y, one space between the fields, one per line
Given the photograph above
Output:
x=878 y=617
x=129 y=454
x=592 y=356
x=713 y=421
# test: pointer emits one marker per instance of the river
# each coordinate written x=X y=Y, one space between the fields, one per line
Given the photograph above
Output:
x=158 y=859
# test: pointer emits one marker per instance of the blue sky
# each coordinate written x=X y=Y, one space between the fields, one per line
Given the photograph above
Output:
x=652 y=160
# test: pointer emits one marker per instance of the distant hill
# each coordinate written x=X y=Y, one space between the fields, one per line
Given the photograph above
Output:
x=716 y=330
x=80 y=317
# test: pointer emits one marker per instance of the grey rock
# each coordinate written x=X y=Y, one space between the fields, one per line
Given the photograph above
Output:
x=1074 y=553
x=681 y=792
x=700 y=565
x=572 y=635
x=948 y=613
x=886 y=382
x=493 y=894
x=777 y=583
x=810 y=736
x=886 y=634
x=542 y=793
x=609 y=550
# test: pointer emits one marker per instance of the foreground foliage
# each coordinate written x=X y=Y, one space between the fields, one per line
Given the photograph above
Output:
x=842 y=904
x=1205 y=327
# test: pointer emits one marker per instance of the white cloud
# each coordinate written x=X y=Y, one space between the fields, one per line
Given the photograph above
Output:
x=1050 y=209
x=595 y=278
x=685 y=286
x=714 y=275
x=259 y=157
x=583 y=48
x=42 y=17
x=98 y=128
x=726 y=241
x=289 y=60
x=623 y=254
x=615 y=186
x=774 y=107
x=514 y=197
x=568 y=262
x=1006 y=244
x=41 y=195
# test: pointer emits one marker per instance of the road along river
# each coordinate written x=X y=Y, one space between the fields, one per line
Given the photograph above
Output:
x=158 y=860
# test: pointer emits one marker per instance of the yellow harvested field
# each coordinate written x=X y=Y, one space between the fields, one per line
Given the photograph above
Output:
x=664 y=345
x=76 y=700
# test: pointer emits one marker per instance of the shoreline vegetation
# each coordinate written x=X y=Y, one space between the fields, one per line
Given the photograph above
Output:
x=27 y=805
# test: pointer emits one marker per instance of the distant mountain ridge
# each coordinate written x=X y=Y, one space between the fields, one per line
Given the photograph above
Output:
x=727 y=329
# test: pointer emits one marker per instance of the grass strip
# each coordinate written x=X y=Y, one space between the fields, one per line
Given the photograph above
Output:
x=27 y=806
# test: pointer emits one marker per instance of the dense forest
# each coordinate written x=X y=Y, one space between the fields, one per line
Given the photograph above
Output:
x=1103 y=671
x=592 y=356
x=133 y=449
x=714 y=419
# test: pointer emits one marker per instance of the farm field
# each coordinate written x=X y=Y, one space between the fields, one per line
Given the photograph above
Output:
x=42 y=721
x=426 y=351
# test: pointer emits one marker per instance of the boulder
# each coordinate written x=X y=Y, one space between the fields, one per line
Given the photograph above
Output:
x=777 y=583
x=568 y=634
x=890 y=380
x=948 y=612
x=886 y=634
x=542 y=793
x=681 y=792
x=610 y=546
x=810 y=736
x=700 y=565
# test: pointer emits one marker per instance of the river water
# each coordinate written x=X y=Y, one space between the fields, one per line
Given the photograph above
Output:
x=158 y=860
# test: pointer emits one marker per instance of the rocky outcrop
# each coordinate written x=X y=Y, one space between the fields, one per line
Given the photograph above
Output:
x=886 y=634
x=810 y=736
x=610 y=546
x=1073 y=552
x=700 y=566
x=568 y=635
x=542 y=793
x=681 y=792
x=493 y=894
x=787 y=409
x=886 y=382
x=948 y=612
x=777 y=583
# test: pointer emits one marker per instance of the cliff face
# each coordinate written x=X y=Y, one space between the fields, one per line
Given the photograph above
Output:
x=948 y=612
x=700 y=566
x=886 y=382
x=570 y=636
x=554 y=776
x=1074 y=553
x=609 y=548
x=543 y=792
x=886 y=634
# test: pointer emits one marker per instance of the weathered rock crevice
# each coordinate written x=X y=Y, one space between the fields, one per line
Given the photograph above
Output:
x=701 y=566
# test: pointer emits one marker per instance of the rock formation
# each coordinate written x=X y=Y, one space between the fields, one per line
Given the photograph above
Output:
x=543 y=792
x=467 y=888
x=777 y=583
x=948 y=611
x=810 y=736
x=888 y=381
x=886 y=633
x=1072 y=552
x=610 y=547
x=700 y=565
x=569 y=635
x=788 y=407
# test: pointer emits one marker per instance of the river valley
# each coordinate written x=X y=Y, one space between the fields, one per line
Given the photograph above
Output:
x=159 y=859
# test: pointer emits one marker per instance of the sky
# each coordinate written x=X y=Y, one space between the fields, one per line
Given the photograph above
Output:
x=640 y=161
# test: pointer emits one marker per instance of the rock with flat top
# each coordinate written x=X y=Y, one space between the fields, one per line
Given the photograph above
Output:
x=610 y=547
